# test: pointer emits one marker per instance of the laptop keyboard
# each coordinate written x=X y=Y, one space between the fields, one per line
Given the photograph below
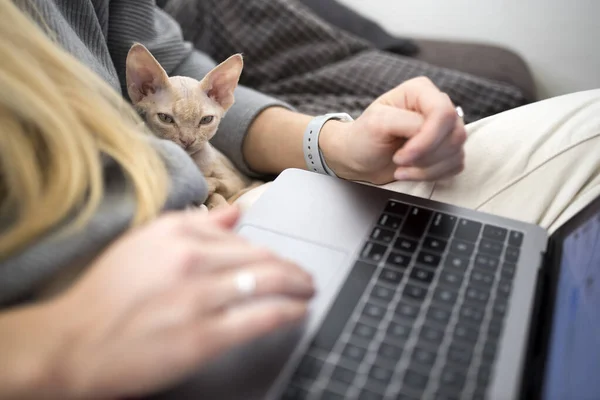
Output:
x=420 y=314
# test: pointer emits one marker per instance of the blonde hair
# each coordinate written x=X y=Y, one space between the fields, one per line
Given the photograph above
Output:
x=57 y=120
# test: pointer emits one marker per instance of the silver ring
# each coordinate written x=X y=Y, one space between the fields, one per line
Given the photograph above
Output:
x=460 y=112
x=245 y=283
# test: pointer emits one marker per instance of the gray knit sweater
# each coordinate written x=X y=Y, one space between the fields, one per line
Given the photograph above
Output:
x=99 y=33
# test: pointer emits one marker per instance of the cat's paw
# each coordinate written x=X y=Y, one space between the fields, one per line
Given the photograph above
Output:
x=215 y=201
x=213 y=184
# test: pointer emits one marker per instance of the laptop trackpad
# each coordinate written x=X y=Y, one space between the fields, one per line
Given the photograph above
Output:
x=248 y=372
x=320 y=261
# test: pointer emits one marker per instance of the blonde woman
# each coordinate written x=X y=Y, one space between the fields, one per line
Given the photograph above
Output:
x=162 y=292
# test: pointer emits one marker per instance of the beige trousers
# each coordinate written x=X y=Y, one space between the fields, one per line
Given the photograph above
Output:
x=539 y=163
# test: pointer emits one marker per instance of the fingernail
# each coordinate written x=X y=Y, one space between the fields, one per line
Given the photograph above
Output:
x=304 y=287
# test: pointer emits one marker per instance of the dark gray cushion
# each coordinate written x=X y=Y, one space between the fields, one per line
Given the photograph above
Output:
x=486 y=61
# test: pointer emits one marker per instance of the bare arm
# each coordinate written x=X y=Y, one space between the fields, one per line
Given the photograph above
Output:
x=274 y=142
x=410 y=133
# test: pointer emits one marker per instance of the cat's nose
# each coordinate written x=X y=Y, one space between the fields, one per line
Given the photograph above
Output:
x=187 y=142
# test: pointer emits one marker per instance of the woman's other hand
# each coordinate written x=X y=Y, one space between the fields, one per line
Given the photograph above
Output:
x=410 y=133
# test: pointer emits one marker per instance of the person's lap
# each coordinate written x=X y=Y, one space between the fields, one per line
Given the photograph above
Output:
x=538 y=163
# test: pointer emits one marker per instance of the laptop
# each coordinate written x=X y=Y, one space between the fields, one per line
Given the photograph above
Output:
x=418 y=300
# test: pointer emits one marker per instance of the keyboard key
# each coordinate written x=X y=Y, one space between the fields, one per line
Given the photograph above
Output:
x=406 y=245
x=414 y=293
x=329 y=395
x=495 y=233
x=373 y=312
x=382 y=235
x=515 y=238
x=508 y=270
x=390 y=353
x=343 y=375
x=422 y=275
x=433 y=244
x=490 y=247
x=354 y=353
x=483 y=375
x=442 y=225
x=444 y=297
x=344 y=305
x=469 y=313
x=456 y=262
x=490 y=349
x=512 y=254
x=309 y=367
x=495 y=329
x=486 y=262
x=451 y=380
x=382 y=294
x=500 y=307
x=468 y=230
x=398 y=332
x=466 y=334
x=504 y=288
x=476 y=295
x=432 y=335
x=482 y=279
x=408 y=311
x=391 y=277
x=415 y=380
x=373 y=252
x=396 y=208
x=429 y=259
x=380 y=377
x=363 y=333
x=368 y=395
x=423 y=357
x=450 y=279
x=416 y=222
x=462 y=248
x=389 y=221
x=438 y=315
x=398 y=260
x=459 y=355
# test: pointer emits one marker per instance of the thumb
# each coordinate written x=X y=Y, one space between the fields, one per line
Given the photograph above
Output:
x=225 y=217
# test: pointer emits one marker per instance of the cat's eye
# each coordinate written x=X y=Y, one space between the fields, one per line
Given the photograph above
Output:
x=207 y=120
x=165 y=118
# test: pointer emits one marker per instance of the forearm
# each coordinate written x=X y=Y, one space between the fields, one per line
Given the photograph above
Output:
x=274 y=142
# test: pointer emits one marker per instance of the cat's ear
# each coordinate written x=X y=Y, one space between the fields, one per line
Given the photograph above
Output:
x=220 y=83
x=144 y=74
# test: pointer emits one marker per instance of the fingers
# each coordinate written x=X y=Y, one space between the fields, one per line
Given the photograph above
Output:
x=446 y=168
x=393 y=123
x=450 y=148
x=422 y=96
x=225 y=217
x=244 y=323
x=222 y=290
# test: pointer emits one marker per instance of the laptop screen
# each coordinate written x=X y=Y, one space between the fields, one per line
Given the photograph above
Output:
x=572 y=370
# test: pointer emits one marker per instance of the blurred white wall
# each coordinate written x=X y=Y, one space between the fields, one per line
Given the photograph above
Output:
x=559 y=39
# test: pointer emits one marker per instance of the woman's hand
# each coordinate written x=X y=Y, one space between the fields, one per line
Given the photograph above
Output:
x=412 y=132
x=164 y=299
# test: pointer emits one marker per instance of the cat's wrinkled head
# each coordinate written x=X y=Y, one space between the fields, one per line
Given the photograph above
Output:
x=181 y=109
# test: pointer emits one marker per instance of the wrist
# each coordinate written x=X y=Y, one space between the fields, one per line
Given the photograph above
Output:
x=333 y=143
